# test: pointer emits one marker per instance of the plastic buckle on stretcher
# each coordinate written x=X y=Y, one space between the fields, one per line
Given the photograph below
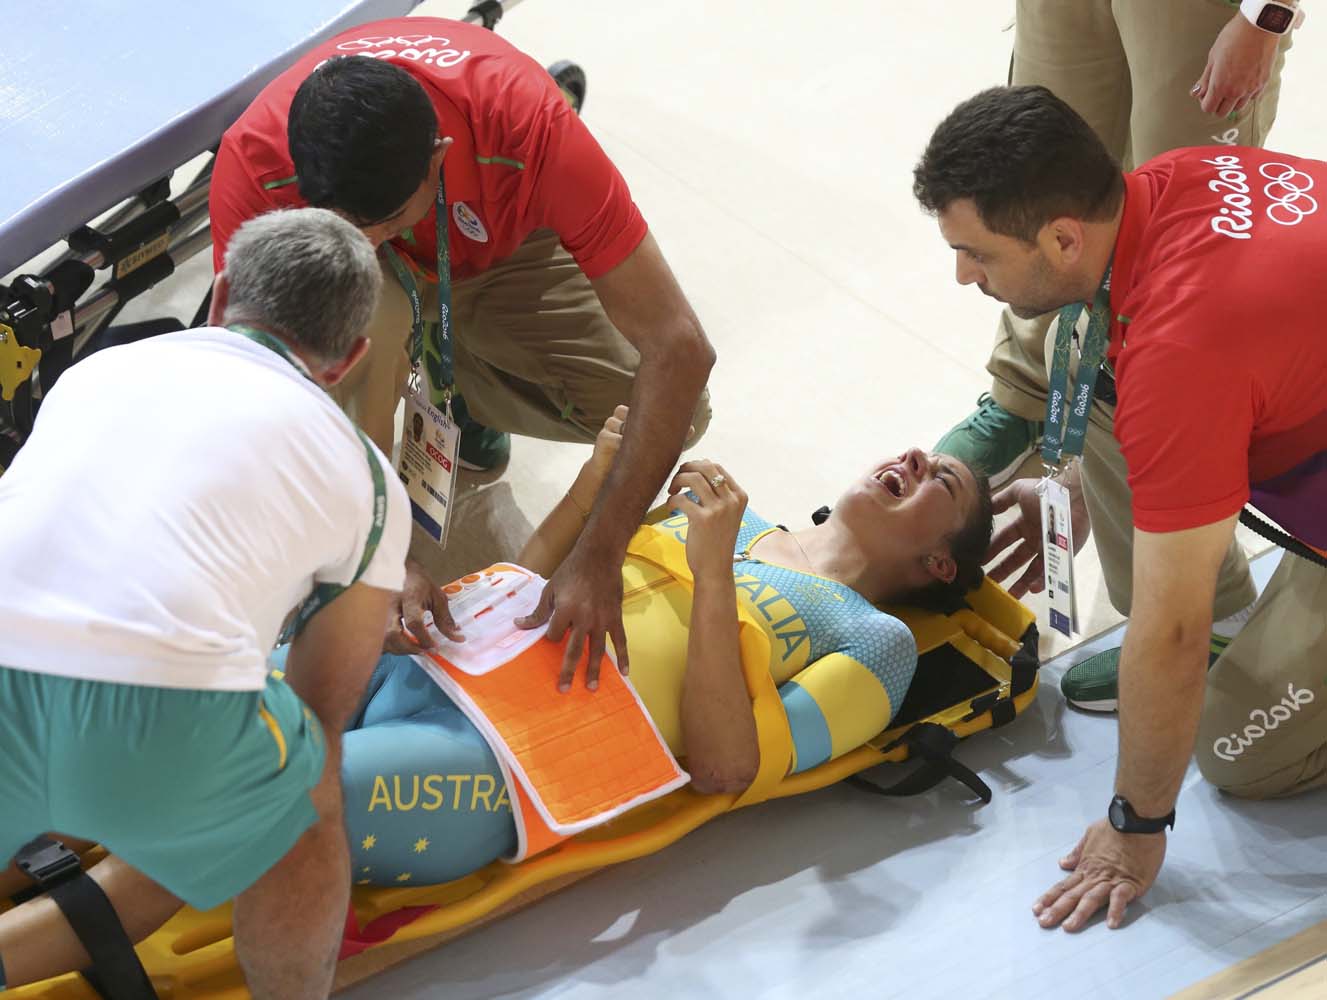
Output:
x=48 y=862
x=116 y=972
x=16 y=362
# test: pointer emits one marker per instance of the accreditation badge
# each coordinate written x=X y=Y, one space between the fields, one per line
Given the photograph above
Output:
x=428 y=461
x=1057 y=556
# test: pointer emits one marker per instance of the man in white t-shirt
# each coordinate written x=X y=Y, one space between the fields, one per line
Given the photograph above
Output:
x=177 y=499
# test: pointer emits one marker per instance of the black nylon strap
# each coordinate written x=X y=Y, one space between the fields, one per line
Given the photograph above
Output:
x=935 y=745
x=1003 y=713
x=1025 y=663
x=116 y=972
x=1276 y=536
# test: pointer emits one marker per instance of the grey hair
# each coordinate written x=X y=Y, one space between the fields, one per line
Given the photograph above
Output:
x=306 y=272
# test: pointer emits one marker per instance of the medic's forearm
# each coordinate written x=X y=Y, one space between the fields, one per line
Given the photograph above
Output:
x=667 y=387
x=1163 y=678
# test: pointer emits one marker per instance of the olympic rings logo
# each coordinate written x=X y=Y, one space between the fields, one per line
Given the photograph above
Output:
x=1288 y=192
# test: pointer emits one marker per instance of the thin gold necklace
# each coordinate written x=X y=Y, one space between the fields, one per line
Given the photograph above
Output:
x=746 y=555
x=802 y=550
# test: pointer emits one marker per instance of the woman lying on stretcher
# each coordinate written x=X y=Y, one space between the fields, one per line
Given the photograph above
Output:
x=424 y=796
x=425 y=801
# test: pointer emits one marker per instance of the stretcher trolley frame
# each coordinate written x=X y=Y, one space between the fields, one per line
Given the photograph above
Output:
x=51 y=318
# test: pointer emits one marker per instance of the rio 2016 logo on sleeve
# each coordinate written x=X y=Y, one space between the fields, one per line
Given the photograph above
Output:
x=1287 y=193
x=469 y=223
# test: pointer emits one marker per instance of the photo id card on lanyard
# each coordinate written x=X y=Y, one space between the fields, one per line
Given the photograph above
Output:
x=431 y=438
x=1057 y=555
x=428 y=461
x=1067 y=413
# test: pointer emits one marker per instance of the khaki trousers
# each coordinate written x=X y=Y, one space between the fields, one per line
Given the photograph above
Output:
x=1126 y=66
x=534 y=352
x=1263 y=731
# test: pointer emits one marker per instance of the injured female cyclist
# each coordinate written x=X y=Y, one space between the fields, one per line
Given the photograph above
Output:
x=425 y=799
x=424 y=794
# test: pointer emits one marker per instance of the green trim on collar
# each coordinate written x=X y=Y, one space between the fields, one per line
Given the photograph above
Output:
x=271 y=185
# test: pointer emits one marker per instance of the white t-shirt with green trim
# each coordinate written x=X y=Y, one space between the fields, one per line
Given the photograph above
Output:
x=177 y=498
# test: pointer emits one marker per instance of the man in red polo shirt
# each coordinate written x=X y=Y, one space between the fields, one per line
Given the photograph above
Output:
x=562 y=304
x=1200 y=266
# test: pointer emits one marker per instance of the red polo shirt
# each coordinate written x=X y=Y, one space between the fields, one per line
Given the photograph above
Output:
x=1219 y=344
x=521 y=159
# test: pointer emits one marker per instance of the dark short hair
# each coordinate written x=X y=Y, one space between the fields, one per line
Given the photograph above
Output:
x=967 y=546
x=361 y=132
x=1024 y=157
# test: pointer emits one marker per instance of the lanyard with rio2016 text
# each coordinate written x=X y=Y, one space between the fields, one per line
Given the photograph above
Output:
x=324 y=593
x=435 y=355
x=1067 y=415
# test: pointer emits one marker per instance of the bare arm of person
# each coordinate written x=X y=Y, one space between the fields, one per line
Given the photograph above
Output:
x=332 y=658
x=718 y=727
x=557 y=533
x=643 y=300
x=1163 y=674
x=1238 y=68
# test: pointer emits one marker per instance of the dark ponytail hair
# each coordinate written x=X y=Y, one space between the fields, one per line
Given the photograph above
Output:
x=968 y=547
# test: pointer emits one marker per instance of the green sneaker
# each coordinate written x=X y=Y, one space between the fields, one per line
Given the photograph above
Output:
x=1094 y=684
x=992 y=439
x=481 y=449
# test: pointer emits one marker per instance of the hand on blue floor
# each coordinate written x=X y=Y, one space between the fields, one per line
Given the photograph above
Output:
x=1110 y=869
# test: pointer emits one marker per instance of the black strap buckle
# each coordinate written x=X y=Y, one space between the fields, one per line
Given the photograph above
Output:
x=116 y=972
x=47 y=862
x=935 y=745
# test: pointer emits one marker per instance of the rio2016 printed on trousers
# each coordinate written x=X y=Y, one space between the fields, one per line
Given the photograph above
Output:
x=1262 y=722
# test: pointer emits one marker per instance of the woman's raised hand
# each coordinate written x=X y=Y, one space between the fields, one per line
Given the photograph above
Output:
x=595 y=470
x=713 y=504
x=608 y=442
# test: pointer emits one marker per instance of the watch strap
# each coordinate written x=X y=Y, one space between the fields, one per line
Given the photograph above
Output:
x=1125 y=819
x=1253 y=12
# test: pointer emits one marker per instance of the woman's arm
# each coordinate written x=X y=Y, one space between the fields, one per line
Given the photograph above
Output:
x=718 y=727
x=557 y=533
x=848 y=697
x=717 y=723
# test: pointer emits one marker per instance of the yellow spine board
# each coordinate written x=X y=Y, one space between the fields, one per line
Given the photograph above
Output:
x=193 y=957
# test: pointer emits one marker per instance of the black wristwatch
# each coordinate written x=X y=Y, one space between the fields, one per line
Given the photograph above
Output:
x=1124 y=819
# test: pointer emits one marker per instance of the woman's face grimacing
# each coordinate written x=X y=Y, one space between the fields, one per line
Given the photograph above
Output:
x=911 y=503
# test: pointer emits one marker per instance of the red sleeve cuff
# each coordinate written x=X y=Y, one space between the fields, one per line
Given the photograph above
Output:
x=1183 y=518
x=609 y=255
